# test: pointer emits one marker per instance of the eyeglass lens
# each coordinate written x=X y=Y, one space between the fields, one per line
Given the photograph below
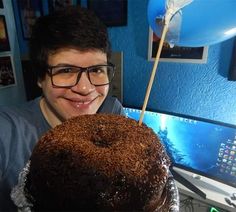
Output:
x=69 y=76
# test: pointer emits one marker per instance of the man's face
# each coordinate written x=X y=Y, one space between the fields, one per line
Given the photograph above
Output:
x=60 y=104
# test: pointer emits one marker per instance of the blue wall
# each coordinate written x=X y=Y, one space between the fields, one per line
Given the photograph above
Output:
x=194 y=89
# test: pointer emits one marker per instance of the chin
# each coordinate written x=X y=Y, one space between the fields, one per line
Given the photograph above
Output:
x=68 y=116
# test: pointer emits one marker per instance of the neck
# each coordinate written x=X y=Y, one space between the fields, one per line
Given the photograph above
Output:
x=51 y=118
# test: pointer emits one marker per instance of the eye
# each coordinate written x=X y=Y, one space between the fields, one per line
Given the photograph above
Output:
x=63 y=70
x=99 y=70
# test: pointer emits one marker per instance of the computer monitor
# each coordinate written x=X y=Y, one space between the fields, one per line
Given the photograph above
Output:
x=201 y=146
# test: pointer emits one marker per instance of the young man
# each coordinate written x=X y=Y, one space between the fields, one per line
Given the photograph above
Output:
x=70 y=53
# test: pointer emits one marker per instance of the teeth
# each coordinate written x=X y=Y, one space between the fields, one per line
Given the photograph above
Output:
x=85 y=103
x=81 y=103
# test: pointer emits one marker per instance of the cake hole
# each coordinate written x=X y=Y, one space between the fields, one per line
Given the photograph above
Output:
x=100 y=141
x=99 y=138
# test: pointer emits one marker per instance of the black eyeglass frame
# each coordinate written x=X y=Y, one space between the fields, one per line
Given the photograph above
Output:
x=85 y=69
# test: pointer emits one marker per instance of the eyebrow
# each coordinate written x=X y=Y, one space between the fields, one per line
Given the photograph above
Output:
x=61 y=65
x=70 y=65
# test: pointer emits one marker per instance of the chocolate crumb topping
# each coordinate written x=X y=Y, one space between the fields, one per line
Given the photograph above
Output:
x=98 y=162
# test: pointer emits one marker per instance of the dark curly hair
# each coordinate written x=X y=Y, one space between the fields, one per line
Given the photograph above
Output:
x=72 y=27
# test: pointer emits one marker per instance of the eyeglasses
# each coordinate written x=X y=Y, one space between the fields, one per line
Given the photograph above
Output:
x=69 y=76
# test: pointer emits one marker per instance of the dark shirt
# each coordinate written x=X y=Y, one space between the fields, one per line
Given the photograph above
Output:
x=20 y=129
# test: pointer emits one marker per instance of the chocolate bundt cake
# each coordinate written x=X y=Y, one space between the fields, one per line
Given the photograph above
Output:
x=98 y=162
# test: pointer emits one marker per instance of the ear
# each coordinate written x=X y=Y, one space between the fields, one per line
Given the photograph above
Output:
x=39 y=83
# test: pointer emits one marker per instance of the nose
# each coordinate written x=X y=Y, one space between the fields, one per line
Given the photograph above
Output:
x=83 y=86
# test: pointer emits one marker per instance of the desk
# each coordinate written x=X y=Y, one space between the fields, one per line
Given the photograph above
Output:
x=215 y=191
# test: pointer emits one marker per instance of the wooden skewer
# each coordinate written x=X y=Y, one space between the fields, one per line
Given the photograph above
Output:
x=164 y=31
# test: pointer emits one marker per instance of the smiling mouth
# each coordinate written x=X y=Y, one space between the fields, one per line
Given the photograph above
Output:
x=82 y=104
